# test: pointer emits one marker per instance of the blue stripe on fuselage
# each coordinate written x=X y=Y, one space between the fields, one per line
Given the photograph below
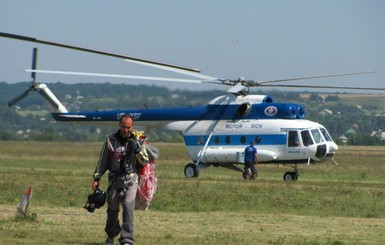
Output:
x=233 y=140
x=158 y=114
x=209 y=112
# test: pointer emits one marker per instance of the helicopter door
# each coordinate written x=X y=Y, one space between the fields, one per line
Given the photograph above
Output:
x=293 y=144
x=293 y=139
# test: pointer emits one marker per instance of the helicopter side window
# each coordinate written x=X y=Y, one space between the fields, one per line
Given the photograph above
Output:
x=326 y=134
x=306 y=138
x=243 y=140
x=317 y=135
x=293 y=139
x=228 y=140
x=216 y=140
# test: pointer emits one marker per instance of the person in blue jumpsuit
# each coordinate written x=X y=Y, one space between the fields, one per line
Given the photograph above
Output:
x=251 y=160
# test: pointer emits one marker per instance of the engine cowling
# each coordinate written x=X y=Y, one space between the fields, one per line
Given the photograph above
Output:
x=226 y=155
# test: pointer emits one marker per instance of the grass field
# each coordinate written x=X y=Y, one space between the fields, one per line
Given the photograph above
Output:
x=329 y=204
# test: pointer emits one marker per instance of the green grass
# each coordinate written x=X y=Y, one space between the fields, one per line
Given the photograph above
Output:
x=329 y=204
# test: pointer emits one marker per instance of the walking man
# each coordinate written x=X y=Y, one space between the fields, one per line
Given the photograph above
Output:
x=117 y=156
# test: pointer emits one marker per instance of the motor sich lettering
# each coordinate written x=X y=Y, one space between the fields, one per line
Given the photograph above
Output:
x=234 y=126
x=256 y=125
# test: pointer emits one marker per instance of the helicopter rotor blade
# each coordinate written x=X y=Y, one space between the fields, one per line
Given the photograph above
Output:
x=18 y=98
x=313 y=77
x=34 y=86
x=100 y=52
x=172 y=69
x=236 y=88
x=34 y=64
x=238 y=85
x=117 y=76
x=310 y=86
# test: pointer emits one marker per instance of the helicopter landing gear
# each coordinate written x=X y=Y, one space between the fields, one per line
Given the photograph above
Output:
x=290 y=176
x=191 y=170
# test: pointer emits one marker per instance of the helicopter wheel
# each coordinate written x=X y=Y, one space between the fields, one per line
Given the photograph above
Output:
x=290 y=176
x=191 y=170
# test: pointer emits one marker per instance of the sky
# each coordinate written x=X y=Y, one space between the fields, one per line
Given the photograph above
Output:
x=258 y=40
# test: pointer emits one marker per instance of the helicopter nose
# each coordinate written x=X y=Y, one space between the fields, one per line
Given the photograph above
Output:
x=333 y=147
x=321 y=151
x=326 y=151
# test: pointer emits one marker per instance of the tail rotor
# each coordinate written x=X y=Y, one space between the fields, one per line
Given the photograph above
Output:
x=34 y=86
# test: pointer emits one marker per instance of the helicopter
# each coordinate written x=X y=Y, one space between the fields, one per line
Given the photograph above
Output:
x=215 y=134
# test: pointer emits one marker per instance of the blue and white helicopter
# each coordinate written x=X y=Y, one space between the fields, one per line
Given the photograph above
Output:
x=215 y=134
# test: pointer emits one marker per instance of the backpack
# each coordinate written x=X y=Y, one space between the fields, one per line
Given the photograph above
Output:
x=146 y=160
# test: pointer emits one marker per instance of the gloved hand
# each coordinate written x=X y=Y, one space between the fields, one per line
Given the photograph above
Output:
x=95 y=184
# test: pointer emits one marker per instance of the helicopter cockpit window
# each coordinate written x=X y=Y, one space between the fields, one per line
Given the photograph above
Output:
x=228 y=140
x=216 y=140
x=317 y=135
x=293 y=139
x=243 y=140
x=326 y=134
x=306 y=138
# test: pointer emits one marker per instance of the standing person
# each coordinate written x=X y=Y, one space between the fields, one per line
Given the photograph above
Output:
x=117 y=156
x=251 y=159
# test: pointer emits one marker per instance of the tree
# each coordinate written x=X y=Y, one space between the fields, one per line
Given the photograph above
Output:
x=332 y=98
x=315 y=98
x=363 y=139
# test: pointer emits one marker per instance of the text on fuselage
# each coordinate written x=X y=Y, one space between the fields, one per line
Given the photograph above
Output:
x=136 y=115
x=242 y=126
